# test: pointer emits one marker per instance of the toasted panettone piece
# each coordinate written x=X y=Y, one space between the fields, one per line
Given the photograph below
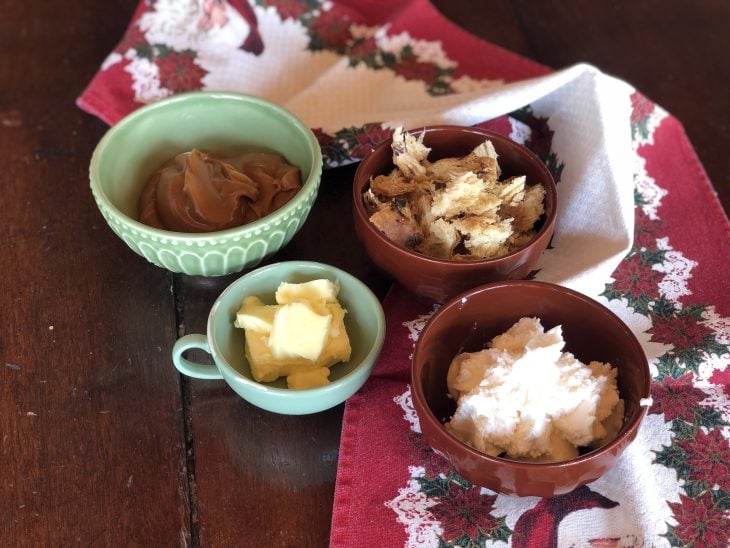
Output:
x=467 y=194
x=450 y=168
x=420 y=202
x=453 y=208
x=526 y=213
x=440 y=241
x=519 y=239
x=482 y=237
x=398 y=225
x=409 y=154
x=512 y=191
x=372 y=202
x=485 y=149
x=393 y=184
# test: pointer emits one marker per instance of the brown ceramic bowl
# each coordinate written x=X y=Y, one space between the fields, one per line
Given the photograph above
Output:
x=466 y=323
x=440 y=279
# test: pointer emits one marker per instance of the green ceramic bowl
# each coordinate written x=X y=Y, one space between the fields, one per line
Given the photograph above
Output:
x=364 y=321
x=223 y=123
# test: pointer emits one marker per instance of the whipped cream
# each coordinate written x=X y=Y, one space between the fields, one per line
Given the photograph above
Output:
x=525 y=397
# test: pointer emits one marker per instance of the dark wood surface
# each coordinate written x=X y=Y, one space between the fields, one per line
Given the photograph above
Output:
x=101 y=442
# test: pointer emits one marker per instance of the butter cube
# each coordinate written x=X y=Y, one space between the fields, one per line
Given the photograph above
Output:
x=256 y=316
x=265 y=367
x=315 y=291
x=338 y=347
x=298 y=332
x=300 y=337
x=308 y=378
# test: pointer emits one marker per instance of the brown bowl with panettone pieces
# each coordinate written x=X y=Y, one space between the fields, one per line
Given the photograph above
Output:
x=442 y=209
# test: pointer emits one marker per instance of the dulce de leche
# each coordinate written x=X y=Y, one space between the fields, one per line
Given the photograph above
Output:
x=198 y=192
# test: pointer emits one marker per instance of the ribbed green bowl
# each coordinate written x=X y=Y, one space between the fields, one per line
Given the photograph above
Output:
x=224 y=123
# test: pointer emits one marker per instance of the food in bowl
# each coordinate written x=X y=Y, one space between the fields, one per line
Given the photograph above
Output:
x=300 y=337
x=442 y=279
x=454 y=208
x=364 y=322
x=592 y=332
x=199 y=191
x=225 y=123
x=524 y=398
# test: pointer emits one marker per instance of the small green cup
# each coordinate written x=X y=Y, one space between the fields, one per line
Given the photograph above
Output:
x=364 y=321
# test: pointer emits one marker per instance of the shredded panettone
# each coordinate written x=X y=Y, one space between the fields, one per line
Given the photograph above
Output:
x=453 y=208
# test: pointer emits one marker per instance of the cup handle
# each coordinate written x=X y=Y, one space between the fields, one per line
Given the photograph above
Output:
x=190 y=368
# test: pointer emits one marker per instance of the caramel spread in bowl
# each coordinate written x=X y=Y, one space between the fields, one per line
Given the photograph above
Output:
x=198 y=192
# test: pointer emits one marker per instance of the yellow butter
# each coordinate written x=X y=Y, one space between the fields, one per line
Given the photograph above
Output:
x=309 y=378
x=265 y=367
x=309 y=335
x=337 y=349
x=254 y=315
x=314 y=291
x=298 y=332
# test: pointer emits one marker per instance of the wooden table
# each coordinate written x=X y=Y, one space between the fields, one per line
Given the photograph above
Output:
x=101 y=441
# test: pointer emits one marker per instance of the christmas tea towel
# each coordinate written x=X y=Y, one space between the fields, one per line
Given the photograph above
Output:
x=640 y=230
x=354 y=71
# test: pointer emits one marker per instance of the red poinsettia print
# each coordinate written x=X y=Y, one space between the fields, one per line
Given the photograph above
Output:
x=465 y=512
x=641 y=107
x=363 y=49
x=423 y=455
x=640 y=112
x=701 y=523
x=179 y=71
x=289 y=9
x=635 y=277
x=134 y=38
x=541 y=137
x=369 y=138
x=501 y=125
x=676 y=398
x=708 y=456
x=332 y=28
x=645 y=231
x=322 y=138
x=411 y=68
x=681 y=330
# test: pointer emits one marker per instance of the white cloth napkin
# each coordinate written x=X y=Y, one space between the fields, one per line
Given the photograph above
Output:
x=589 y=112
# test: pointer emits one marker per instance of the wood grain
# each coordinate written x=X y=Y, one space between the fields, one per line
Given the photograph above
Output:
x=90 y=411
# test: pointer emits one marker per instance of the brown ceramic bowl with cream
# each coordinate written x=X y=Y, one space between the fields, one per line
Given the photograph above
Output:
x=468 y=322
x=440 y=279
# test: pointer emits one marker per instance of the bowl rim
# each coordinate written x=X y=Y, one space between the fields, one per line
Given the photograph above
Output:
x=359 y=184
x=364 y=294
x=419 y=398
x=309 y=185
